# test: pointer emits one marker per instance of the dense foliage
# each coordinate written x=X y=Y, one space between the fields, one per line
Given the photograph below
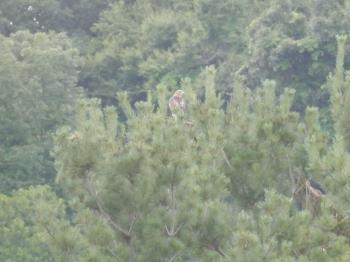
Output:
x=38 y=77
x=95 y=167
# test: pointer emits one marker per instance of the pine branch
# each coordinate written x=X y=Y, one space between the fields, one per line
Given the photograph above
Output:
x=173 y=229
x=105 y=215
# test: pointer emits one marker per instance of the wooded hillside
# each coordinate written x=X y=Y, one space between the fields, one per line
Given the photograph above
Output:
x=251 y=161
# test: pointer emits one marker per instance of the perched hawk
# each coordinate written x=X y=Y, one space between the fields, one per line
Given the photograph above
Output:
x=177 y=102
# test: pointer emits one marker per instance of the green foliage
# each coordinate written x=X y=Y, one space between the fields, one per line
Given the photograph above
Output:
x=38 y=75
x=144 y=43
x=35 y=226
x=339 y=90
x=43 y=15
x=279 y=233
x=31 y=220
x=264 y=142
x=210 y=184
x=154 y=164
x=256 y=168
x=292 y=42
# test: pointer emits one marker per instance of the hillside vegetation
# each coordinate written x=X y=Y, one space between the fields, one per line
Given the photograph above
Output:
x=95 y=166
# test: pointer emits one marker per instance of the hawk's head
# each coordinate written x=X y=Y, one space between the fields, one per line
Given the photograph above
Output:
x=179 y=93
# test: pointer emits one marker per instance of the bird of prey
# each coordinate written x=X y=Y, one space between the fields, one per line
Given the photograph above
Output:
x=177 y=103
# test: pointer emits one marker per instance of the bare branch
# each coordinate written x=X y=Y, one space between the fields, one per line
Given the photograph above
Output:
x=178 y=229
x=132 y=224
x=172 y=232
x=226 y=158
x=173 y=229
x=167 y=230
x=315 y=192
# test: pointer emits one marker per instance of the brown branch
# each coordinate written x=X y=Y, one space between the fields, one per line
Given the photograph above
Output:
x=315 y=192
x=105 y=215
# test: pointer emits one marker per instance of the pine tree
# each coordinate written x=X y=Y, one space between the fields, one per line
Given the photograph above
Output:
x=155 y=180
x=223 y=182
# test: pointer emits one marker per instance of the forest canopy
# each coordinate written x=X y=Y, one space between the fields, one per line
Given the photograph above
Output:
x=151 y=130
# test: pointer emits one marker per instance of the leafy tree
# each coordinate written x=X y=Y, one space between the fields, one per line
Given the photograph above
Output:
x=35 y=226
x=237 y=176
x=292 y=42
x=143 y=43
x=43 y=15
x=38 y=76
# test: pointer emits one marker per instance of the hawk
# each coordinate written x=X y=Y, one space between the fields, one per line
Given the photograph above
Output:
x=177 y=102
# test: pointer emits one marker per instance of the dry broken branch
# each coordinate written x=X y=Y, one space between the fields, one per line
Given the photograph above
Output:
x=310 y=189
